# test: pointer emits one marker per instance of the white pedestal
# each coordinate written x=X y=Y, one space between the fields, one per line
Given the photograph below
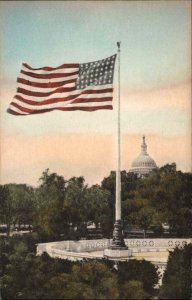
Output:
x=117 y=254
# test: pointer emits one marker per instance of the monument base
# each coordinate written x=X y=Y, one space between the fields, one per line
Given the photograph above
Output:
x=118 y=242
x=117 y=254
x=117 y=249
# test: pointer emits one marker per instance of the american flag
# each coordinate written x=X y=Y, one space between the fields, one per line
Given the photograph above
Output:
x=69 y=87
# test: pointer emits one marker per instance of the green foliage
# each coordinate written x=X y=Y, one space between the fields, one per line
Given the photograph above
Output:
x=177 y=278
x=93 y=280
x=74 y=203
x=27 y=276
x=6 y=208
x=16 y=204
x=129 y=182
x=162 y=197
x=58 y=207
x=97 y=206
x=142 y=271
x=133 y=289
x=23 y=203
x=49 y=219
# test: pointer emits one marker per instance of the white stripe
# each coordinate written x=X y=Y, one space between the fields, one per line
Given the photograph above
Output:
x=40 y=80
x=66 y=94
x=63 y=70
x=61 y=104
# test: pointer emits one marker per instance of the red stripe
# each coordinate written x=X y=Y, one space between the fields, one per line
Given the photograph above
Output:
x=39 y=94
x=62 y=90
x=108 y=90
x=48 y=76
x=45 y=85
x=48 y=101
x=50 y=68
x=30 y=111
x=10 y=111
x=89 y=108
x=84 y=100
x=57 y=100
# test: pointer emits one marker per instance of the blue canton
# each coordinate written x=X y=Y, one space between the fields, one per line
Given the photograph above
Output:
x=96 y=73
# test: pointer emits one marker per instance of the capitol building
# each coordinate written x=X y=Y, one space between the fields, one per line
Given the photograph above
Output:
x=143 y=164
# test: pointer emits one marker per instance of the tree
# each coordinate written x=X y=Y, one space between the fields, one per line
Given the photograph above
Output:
x=93 y=280
x=14 y=279
x=145 y=217
x=142 y=271
x=60 y=287
x=22 y=197
x=133 y=289
x=3 y=256
x=16 y=204
x=25 y=275
x=129 y=183
x=6 y=208
x=167 y=192
x=74 y=203
x=49 y=218
x=176 y=283
x=97 y=207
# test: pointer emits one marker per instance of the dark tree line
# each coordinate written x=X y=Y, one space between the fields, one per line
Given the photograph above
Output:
x=63 y=207
x=27 y=276
x=23 y=275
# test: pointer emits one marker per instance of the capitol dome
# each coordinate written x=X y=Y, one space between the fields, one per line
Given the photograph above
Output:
x=143 y=164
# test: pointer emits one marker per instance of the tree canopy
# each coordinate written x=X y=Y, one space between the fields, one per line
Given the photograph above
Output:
x=27 y=276
x=60 y=207
x=176 y=283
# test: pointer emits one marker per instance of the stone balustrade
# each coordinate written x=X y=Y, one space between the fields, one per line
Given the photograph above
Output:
x=166 y=244
x=137 y=245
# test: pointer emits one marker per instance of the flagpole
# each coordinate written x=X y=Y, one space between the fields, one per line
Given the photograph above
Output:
x=118 y=145
x=118 y=241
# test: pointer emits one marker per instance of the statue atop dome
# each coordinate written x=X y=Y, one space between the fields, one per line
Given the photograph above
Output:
x=144 y=147
x=143 y=164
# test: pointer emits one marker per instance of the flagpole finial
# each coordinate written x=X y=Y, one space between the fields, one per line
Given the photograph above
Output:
x=118 y=45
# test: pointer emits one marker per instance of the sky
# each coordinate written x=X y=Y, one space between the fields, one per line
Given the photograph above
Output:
x=155 y=86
